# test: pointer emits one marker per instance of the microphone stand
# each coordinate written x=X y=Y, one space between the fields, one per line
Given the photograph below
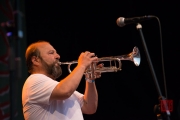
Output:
x=160 y=116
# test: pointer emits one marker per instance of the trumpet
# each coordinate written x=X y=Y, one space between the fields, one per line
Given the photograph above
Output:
x=134 y=56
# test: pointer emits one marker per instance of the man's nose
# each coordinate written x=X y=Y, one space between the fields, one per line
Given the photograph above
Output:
x=57 y=56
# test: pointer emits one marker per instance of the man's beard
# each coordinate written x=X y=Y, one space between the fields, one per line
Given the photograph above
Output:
x=54 y=70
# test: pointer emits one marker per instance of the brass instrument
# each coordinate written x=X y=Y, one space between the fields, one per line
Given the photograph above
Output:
x=134 y=56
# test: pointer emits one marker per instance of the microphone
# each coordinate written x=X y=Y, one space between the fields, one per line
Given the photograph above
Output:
x=121 y=21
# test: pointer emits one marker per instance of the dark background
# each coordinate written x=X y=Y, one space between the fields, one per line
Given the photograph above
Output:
x=76 y=26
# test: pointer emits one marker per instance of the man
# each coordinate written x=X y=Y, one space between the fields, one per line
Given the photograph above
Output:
x=43 y=98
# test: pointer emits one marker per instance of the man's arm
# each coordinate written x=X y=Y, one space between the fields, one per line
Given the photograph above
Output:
x=91 y=96
x=69 y=84
x=90 y=99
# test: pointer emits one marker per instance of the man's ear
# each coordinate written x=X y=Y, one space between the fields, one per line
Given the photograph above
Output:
x=35 y=60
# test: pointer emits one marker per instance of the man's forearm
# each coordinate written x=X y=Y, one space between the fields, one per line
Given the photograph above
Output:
x=90 y=98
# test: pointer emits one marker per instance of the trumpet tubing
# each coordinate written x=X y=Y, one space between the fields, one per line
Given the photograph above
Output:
x=134 y=56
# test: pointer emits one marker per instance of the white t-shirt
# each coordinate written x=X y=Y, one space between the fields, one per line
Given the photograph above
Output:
x=37 y=106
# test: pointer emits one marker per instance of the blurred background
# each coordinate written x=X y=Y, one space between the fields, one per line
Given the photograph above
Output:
x=73 y=27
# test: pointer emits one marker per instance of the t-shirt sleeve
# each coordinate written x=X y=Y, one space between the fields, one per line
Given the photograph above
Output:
x=40 y=89
x=80 y=97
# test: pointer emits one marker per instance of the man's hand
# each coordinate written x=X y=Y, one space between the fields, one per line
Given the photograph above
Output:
x=96 y=74
x=86 y=58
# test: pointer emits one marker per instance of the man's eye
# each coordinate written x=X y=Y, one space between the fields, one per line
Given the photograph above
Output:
x=51 y=52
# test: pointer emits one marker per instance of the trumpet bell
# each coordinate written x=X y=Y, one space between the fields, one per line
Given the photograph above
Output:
x=134 y=56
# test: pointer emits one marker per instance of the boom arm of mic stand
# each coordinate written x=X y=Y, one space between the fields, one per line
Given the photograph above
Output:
x=139 y=28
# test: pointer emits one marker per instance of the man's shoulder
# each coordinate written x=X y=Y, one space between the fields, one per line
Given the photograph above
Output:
x=37 y=79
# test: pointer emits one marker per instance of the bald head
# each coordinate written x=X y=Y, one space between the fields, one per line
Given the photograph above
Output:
x=33 y=50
